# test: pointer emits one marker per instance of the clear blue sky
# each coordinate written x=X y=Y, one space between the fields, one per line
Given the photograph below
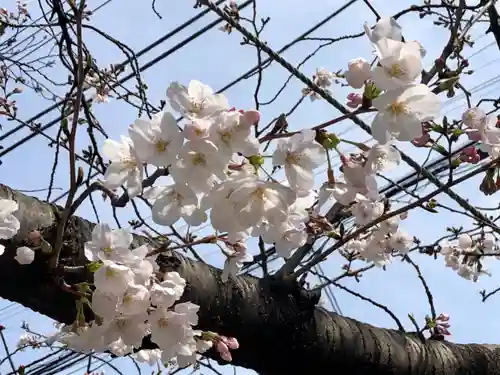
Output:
x=216 y=59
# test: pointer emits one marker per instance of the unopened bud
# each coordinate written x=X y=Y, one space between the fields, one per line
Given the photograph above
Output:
x=256 y=160
x=35 y=237
x=79 y=179
x=330 y=141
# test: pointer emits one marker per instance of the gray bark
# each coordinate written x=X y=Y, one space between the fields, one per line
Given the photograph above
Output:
x=280 y=330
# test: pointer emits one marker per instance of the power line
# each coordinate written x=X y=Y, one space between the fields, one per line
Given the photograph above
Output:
x=164 y=55
x=125 y=62
x=241 y=77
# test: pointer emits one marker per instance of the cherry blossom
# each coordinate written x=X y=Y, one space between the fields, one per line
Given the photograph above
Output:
x=358 y=71
x=402 y=111
x=366 y=210
x=384 y=28
x=24 y=255
x=197 y=100
x=113 y=278
x=108 y=244
x=400 y=64
x=233 y=133
x=255 y=201
x=149 y=356
x=300 y=154
x=156 y=141
x=237 y=255
x=401 y=241
x=474 y=117
x=382 y=158
x=174 y=202
x=9 y=224
x=125 y=167
x=199 y=165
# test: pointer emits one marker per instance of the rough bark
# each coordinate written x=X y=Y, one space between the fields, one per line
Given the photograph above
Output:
x=280 y=330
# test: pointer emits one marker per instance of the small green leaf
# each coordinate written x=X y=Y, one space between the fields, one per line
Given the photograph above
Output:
x=371 y=91
x=331 y=141
x=94 y=266
x=256 y=160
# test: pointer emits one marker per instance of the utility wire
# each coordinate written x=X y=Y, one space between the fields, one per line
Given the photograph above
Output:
x=128 y=60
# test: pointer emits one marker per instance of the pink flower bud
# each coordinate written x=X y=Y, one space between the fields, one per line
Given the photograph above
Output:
x=232 y=343
x=470 y=155
x=443 y=317
x=422 y=140
x=223 y=350
x=226 y=356
x=344 y=159
x=354 y=100
x=473 y=135
x=251 y=117
x=35 y=237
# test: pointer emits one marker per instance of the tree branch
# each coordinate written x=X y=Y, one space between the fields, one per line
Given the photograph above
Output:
x=279 y=327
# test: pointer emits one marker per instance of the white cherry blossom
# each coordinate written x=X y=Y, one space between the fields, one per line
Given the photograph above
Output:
x=197 y=128
x=323 y=78
x=400 y=64
x=24 y=255
x=384 y=28
x=125 y=167
x=366 y=210
x=149 y=356
x=166 y=293
x=401 y=241
x=104 y=304
x=300 y=154
x=174 y=202
x=157 y=141
x=113 y=278
x=237 y=255
x=108 y=244
x=382 y=158
x=402 y=111
x=172 y=338
x=134 y=301
x=286 y=237
x=130 y=329
x=199 y=164
x=255 y=201
x=197 y=100
x=358 y=71
x=119 y=348
x=474 y=117
x=232 y=133
x=85 y=339
x=9 y=224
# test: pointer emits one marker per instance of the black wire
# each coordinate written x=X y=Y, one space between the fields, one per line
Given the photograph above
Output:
x=48 y=40
x=252 y=70
x=126 y=61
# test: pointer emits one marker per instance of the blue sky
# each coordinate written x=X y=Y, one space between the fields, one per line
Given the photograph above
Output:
x=216 y=59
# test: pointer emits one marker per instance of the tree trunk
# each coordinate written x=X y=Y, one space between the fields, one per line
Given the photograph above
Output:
x=280 y=330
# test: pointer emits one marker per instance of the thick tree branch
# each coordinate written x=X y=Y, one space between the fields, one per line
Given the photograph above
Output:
x=279 y=328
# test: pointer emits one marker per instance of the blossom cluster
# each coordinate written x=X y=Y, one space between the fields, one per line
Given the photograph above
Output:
x=482 y=128
x=217 y=171
x=402 y=105
x=9 y=226
x=464 y=255
x=133 y=299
